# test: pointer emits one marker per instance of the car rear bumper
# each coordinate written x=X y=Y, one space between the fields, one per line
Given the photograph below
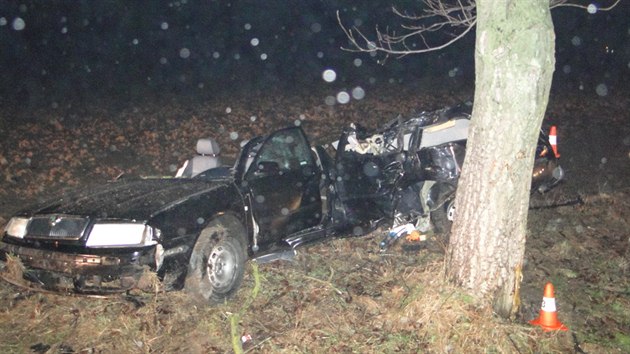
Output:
x=81 y=273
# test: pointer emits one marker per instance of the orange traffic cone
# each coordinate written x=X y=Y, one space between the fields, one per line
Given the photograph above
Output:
x=548 y=317
x=553 y=140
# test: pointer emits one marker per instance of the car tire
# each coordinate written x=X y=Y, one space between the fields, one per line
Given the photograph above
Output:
x=217 y=263
x=442 y=216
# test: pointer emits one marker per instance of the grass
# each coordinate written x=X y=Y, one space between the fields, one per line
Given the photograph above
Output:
x=339 y=296
x=335 y=297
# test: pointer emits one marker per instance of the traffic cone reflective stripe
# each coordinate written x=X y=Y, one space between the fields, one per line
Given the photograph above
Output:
x=553 y=140
x=548 y=317
x=548 y=304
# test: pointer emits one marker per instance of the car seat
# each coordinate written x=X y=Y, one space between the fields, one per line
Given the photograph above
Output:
x=208 y=150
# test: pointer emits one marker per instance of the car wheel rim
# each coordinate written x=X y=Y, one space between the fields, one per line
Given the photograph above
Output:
x=450 y=211
x=221 y=266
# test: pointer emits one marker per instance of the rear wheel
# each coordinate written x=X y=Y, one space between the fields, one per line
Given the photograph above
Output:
x=217 y=263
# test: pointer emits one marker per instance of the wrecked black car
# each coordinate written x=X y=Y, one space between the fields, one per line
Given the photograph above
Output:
x=196 y=231
x=409 y=169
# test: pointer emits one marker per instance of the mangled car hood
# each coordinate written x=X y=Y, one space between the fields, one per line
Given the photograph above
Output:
x=138 y=199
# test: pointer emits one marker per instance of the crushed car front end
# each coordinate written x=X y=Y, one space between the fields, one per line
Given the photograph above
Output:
x=79 y=254
x=407 y=171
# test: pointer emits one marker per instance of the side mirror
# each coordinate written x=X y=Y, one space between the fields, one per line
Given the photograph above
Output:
x=267 y=168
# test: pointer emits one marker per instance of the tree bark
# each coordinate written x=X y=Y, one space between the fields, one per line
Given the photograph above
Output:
x=514 y=63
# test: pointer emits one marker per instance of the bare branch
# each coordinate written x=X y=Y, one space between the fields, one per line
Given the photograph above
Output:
x=458 y=15
x=436 y=16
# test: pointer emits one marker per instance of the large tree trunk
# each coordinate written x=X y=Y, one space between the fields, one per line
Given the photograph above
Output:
x=514 y=63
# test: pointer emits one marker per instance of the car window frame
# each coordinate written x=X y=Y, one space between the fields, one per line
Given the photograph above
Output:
x=308 y=162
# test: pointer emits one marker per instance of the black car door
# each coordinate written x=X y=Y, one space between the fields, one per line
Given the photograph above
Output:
x=283 y=185
x=365 y=182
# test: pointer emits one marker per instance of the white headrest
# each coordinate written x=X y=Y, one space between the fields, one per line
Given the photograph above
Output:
x=208 y=146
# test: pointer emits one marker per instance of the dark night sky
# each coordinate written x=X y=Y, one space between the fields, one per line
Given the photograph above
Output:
x=55 y=50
